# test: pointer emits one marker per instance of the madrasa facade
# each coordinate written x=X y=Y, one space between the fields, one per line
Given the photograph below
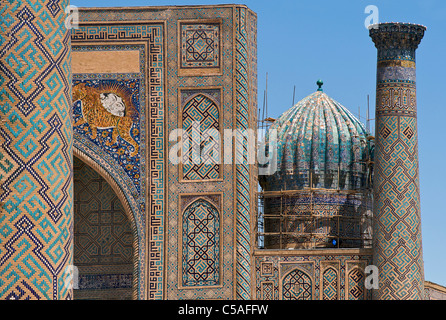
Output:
x=130 y=167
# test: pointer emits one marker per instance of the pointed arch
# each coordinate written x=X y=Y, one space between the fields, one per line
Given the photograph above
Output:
x=297 y=285
x=207 y=96
x=200 y=253
x=137 y=277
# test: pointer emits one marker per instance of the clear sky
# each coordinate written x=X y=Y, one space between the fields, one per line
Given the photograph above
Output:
x=302 y=41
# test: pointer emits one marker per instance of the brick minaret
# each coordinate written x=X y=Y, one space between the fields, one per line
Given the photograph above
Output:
x=397 y=233
x=36 y=173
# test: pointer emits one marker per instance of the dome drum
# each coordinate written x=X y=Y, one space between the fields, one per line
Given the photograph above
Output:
x=315 y=219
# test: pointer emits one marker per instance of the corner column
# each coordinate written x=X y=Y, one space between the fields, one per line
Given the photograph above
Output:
x=36 y=172
x=397 y=243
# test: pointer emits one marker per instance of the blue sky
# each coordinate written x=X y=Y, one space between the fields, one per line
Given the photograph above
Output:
x=302 y=41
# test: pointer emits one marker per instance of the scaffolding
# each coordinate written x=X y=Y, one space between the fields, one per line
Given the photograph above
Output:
x=314 y=218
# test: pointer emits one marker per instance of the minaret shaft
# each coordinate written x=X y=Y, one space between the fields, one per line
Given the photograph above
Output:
x=36 y=173
x=397 y=229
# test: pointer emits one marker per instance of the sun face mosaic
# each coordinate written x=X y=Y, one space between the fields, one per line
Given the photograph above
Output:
x=106 y=112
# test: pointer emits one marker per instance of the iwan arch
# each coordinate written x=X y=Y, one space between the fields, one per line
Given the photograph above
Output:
x=86 y=179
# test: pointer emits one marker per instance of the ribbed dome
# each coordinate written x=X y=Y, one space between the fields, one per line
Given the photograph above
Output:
x=318 y=136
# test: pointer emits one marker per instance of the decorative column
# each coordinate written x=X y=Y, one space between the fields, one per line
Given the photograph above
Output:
x=36 y=217
x=397 y=244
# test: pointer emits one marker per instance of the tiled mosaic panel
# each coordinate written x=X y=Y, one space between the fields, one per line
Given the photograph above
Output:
x=243 y=177
x=103 y=239
x=201 y=125
x=201 y=245
x=226 y=82
x=129 y=168
x=297 y=285
x=107 y=112
x=35 y=155
x=200 y=45
x=201 y=84
x=177 y=188
x=267 y=289
x=356 y=289
x=330 y=284
x=398 y=226
x=396 y=98
x=331 y=276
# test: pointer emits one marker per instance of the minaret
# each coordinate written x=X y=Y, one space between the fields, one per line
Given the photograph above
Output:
x=397 y=229
x=36 y=173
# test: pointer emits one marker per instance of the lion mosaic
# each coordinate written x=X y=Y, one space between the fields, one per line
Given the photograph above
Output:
x=104 y=110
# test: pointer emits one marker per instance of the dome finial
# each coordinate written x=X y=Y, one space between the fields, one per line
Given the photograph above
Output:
x=320 y=84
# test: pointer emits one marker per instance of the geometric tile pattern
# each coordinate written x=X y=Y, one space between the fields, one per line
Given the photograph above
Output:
x=398 y=245
x=36 y=150
x=267 y=289
x=356 y=284
x=180 y=89
x=100 y=220
x=330 y=281
x=200 y=45
x=201 y=245
x=200 y=118
x=267 y=269
x=243 y=188
x=297 y=285
x=330 y=284
x=398 y=241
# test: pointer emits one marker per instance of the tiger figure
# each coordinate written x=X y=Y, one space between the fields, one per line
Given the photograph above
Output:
x=103 y=111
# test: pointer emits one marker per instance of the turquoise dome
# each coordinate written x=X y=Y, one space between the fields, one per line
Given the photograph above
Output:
x=317 y=139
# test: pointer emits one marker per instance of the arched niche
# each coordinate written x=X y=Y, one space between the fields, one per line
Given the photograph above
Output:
x=119 y=203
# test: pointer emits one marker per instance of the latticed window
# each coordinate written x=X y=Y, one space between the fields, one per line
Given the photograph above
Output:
x=201 y=139
x=297 y=285
x=330 y=284
x=356 y=284
x=201 y=245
